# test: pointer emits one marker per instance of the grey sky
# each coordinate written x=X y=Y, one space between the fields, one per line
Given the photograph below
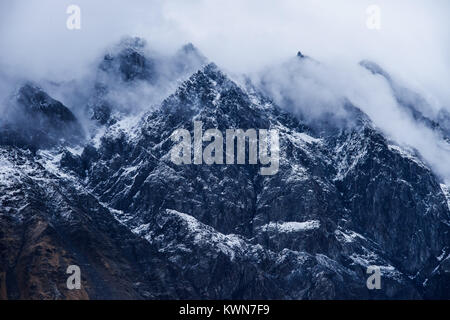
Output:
x=240 y=35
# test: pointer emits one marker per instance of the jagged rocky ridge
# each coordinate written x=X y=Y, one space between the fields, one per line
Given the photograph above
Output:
x=35 y=120
x=142 y=227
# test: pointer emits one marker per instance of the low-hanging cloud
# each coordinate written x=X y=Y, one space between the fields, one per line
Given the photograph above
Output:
x=241 y=35
x=318 y=90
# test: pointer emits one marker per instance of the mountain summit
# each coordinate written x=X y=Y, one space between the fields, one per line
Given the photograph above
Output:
x=140 y=226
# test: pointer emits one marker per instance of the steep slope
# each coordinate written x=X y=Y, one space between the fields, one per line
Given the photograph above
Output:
x=33 y=119
x=131 y=71
x=48 y=222
x=140 y=226
x=304 y=207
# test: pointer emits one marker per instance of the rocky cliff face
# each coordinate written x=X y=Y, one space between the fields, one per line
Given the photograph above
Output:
x=140 y=226
x=34 y=120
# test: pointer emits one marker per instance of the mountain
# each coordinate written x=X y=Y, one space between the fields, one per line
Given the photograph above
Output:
x=129 y=70
x=33 y=119
x=141 y=227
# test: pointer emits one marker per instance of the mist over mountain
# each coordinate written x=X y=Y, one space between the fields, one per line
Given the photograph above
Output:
x=86 y=179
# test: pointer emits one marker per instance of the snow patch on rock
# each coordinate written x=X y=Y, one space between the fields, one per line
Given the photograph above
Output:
x=292 y=226
x=446 y=191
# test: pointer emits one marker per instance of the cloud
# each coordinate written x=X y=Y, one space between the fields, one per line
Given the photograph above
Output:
x=246 y=35
x=34 y=37
x=318 y=91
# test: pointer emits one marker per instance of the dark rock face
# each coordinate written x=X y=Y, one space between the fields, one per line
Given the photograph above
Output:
x=131 y=66
x=130 y=62
x=140 y=226
x=381 y=195
x=36 y=101
x=35 y=119
x=312 y=205
x=48 y=224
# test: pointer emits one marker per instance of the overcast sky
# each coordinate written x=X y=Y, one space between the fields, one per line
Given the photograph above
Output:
x=239 y=35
